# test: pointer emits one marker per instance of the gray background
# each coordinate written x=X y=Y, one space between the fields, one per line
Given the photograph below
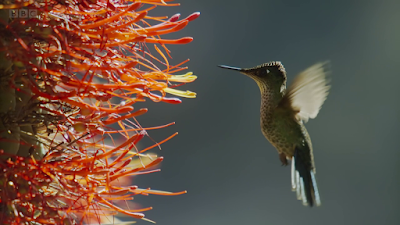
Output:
x=232 y=174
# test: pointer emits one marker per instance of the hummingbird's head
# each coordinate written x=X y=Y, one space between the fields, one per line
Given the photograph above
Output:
x=268 y=75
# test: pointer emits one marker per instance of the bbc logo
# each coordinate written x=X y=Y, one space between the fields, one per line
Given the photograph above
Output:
x=23 y=13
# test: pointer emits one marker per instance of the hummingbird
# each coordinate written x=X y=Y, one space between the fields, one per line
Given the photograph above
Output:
x=283 y=115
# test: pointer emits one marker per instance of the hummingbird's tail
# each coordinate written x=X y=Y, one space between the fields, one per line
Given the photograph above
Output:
x=303 y=180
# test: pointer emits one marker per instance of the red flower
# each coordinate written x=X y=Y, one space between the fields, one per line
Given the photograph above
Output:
x=73 y=74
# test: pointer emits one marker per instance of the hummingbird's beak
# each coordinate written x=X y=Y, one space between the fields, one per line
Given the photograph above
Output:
x=230 y=68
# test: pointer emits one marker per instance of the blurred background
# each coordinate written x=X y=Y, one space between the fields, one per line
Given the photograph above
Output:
x=232 y=174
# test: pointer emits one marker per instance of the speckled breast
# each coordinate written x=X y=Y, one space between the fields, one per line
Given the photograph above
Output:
x=282 y=131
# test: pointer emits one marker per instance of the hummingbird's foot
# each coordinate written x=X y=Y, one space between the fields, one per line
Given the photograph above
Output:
x=283 y=159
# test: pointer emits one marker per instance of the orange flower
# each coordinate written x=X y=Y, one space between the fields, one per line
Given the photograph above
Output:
x=75 y=70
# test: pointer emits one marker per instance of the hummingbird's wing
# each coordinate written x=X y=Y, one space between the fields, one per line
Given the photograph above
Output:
x=308 y=92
